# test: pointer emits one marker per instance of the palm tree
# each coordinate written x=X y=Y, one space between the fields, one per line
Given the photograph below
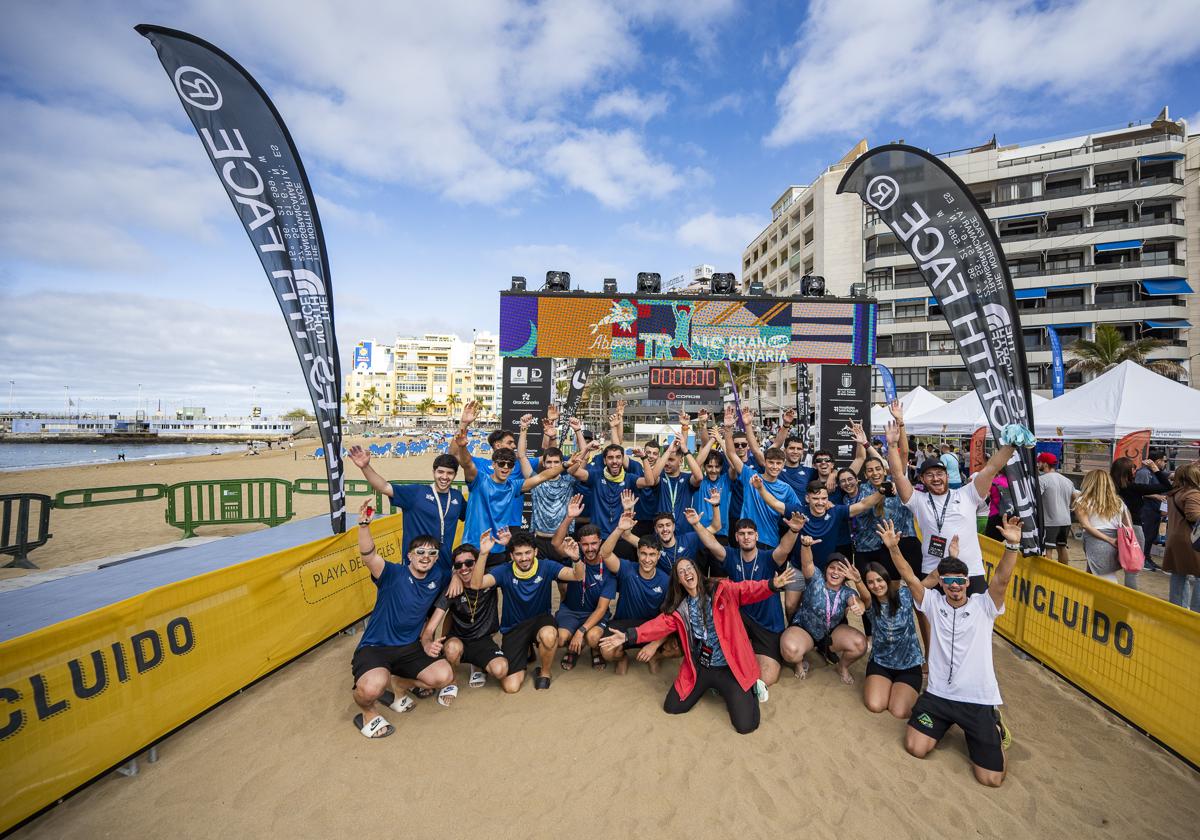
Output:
x=425 y=406
x=373 y=397
x=349 y=401
x=604 y=388
x=453 y=401
x=364 y=406
x=1110 y=349
x=399 y=405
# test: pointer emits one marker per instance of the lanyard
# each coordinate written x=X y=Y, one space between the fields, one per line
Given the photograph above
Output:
x=939 y=518
x=672 y=489
x=830 y=604
x=437 y=500
x=698 y=618
x=753 y=569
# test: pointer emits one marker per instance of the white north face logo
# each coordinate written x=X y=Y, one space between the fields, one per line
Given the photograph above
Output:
x=537 y=579
x=431 y=585
x=657 y=589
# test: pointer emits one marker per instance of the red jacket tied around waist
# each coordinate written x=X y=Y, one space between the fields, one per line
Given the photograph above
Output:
x=731 y=632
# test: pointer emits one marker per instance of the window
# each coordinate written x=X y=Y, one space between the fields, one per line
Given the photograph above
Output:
x=909 y=378
x=808 y=236
x=1021 y=267
x=808 y=207
x=1033 y=339
x=1018 y=188
x=1062 y=184
x=1109 y=295
x=950 y=379
x=1111 y=218
x=1158 y=253
x=885 y=313
x=1065 y=223
x=910 y=311
x=1112 y=180
x=1065 y=299
x=1066 y=259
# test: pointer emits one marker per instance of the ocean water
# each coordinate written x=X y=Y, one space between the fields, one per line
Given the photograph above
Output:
x=24 y=456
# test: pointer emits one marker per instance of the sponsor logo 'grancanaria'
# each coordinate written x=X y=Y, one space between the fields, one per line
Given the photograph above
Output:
x=43 y=695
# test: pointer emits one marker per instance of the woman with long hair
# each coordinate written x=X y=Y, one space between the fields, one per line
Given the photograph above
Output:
x=894 y=670
x=1100 y=511
x=1123 y=473
x=1181 y=560
x=717 y=654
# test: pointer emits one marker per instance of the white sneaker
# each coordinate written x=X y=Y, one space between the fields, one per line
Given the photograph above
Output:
x=760 y=691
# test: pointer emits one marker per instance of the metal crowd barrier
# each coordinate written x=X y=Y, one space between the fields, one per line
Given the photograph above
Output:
x=100 y=496
x=191 y=504
x=16 y=513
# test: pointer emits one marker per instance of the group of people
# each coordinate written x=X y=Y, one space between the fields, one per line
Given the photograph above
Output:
x=746 y=562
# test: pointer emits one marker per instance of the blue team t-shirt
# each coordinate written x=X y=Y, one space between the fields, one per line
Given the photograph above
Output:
x=674 y=497
x=756 y=510
x=516 y=508
x=735 y=488
x=598 y=583
x=489 y=504
x=402 y=605
x=420 y=504
x=686 y=545
x=606 y=497
x=895 y=642
x=706 y=510
x=768 y=613
x=822 y=608
x=826 y=529
x=797 y=478
x=641 y=599
x=525 y=599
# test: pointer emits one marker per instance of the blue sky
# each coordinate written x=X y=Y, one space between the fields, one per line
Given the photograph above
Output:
x=452 y=145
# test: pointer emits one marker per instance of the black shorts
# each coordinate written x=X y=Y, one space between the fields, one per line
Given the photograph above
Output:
x=876 y=555
x=977 y=585
x=498 y=558
x=643 y=527
x=405 y=661
x=763 y=641
x=517 y=643
x=544 y=548
x=479 y=652
x=907 y=676
x=933 y=715
x=1055 y=535
x=713 y=567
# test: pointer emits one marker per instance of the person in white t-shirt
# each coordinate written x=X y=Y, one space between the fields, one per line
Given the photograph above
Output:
x=962 y=689
x=943 y=513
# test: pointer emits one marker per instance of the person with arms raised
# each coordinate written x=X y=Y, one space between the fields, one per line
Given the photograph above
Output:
x=755 y=507
x=962 y=689
x=894 y=669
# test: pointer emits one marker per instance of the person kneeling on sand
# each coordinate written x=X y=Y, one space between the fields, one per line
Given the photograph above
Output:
x=525 y=620
x=474 y=617
x=962 y=685
x=391 y=649
x=706 y=616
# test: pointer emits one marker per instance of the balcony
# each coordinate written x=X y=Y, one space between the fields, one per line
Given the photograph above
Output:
x=1071 y=192
x=1104 y=227
x=1170 y=139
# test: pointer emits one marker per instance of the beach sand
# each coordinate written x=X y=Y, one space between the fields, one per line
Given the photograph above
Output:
x=595 y=756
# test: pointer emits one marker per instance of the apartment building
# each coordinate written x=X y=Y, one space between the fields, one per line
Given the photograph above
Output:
x=1095 y=229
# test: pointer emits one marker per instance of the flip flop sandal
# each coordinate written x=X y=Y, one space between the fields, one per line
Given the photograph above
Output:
x=478 y=679
x=402 y=704
x=568 y=660
x=447 y=693
x=540 y=682
x=376 y=727
x=598 y=663
x=1006 y=737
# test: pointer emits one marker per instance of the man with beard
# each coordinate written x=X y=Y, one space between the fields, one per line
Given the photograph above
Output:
x=642 y=586
x=434 y=509
x=766 y=518
x=583 y=605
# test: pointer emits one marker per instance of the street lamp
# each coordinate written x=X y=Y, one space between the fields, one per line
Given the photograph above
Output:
x=11 y=384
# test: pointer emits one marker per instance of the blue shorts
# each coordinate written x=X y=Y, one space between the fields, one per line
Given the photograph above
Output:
x=571 y=620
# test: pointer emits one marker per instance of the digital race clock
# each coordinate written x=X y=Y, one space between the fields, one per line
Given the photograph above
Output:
x=684 y=384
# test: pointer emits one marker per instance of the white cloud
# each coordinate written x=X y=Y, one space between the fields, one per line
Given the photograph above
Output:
x=628 y=103
x=613 y=167
x=858 y=65
x=732 y=102
x=723 y=235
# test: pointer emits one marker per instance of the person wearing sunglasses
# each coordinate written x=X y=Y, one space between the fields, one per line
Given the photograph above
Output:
x=962 y=689
x=764 y=504
x=472 y=617
x=392 y=651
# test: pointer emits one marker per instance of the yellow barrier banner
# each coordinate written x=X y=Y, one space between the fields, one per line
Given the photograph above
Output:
x=81 y=696
x=1136 y=654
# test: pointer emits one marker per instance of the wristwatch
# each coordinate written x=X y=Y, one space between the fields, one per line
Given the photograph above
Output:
x=1012 y=547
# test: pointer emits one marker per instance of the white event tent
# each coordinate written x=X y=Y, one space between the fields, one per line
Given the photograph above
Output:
x=961 y=417
x=1126 y=399
x=917 y=401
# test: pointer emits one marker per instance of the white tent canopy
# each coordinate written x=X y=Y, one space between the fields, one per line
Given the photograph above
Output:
x=1126 y=399
x=961 y=417
x=915 y=402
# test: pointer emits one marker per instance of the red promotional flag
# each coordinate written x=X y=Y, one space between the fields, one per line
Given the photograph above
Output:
x=1133 y=445
x=977 y=440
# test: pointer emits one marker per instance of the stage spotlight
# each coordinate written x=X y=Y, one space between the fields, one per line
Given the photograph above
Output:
x=610 y=285
x=518 y=283
x=649 y=282
x=558 y=281
x=723 y=283
x=756 y=289
x=812 y=285
x=858 y=290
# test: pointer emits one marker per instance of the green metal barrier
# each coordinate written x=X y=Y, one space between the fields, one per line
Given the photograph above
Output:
x=320 y=487
x=192 y=504
x=100 y=496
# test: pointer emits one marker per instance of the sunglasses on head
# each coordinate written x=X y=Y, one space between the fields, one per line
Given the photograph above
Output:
x=425 y=552
x=464 y=564
x=955 y=581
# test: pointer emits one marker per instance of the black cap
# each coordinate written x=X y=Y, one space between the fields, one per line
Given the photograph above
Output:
x=931 y=464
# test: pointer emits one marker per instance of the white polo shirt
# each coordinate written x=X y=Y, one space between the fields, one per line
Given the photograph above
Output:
x=960 y=648
x=956 y=512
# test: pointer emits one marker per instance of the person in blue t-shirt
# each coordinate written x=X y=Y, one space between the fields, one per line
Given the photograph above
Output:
x=671 y=544
x=492 y=493
x=583 y=605
x=744 y=560
x=391 y=647
x=765 y=514
x=548 y=501
x=435 y=508
x=894 y=670
x=525 y=620
x=647 y=504
x=819 y=624
x=642 y=587
x=608 y=480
